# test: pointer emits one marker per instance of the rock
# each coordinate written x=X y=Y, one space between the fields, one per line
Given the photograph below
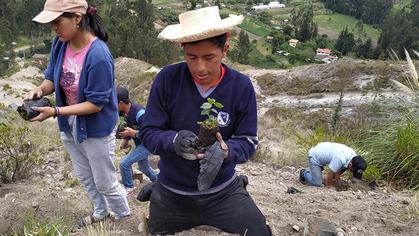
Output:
x=340 y=232
x=35 y=205
x=296 y=228
x=316 y=226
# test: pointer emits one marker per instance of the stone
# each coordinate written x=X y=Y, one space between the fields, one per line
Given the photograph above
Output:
x=317 y=226
x=340 y=232
x=296 y=228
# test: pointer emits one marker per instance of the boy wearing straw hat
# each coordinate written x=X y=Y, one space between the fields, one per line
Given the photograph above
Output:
x=182 y=198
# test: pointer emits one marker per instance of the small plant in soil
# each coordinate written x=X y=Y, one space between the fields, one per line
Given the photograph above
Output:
x=209 y=127
x=25 y=110
x=122 y=124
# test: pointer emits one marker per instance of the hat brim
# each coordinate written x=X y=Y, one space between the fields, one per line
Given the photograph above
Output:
x=174 y=32
x=47 y=16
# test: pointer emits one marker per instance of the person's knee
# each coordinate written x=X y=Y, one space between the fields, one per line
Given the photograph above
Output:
x=105 y=187
x=316 y=183
x=124 y=165
x=143 y=168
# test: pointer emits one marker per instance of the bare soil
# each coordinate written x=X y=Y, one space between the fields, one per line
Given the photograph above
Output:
x=358 y=211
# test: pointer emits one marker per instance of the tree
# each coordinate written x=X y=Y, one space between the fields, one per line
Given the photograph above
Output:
x=304 y=26
x=369 y=11
x=399 y=32
x=322 y=41
x=277 y=41
x=240 y=53
x=133 y=34
x=264 y=17
x=365 y=50
x=345 y=42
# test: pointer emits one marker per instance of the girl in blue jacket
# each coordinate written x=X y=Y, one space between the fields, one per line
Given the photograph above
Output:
x=81 y=73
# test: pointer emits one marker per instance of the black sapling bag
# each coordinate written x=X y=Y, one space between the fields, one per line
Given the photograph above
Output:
x=26 y=112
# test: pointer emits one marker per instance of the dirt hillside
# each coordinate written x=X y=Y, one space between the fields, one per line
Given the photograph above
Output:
x=50 y=196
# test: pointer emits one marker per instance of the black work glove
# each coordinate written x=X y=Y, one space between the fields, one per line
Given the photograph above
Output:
x=185 y=144
x=210 y=165
x=145 y=193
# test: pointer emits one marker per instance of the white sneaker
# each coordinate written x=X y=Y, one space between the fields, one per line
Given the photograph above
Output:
x=129 y=190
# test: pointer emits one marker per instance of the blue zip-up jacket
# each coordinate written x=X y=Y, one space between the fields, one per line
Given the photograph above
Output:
x=174 y=104
x=96 y=85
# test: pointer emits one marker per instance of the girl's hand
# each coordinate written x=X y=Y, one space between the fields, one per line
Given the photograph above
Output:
x=35 y=93
x=45 y=113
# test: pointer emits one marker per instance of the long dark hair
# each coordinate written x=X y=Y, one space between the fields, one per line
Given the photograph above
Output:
x=91 y=22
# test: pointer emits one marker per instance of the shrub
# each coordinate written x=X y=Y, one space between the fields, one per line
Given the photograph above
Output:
x=395 y=150
x=33 y=227
x=6 y=87
x=18 y=154
x=319 y=135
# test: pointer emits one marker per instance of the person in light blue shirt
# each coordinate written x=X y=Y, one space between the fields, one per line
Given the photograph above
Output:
x=338 y=157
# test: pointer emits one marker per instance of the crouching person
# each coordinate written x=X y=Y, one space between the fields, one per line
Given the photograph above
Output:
x=133 y=113
x=338 y=157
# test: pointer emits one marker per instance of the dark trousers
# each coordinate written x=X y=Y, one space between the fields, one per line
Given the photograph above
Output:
x=231 y=210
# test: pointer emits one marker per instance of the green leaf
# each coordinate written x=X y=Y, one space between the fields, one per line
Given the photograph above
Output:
x=205 y=112
x=218 y=105
x=206 y=106
x=215 y=111
x=211 y=100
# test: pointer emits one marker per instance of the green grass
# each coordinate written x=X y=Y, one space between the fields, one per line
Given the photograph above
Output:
x=337 y=22
x=255 y=27
x=394 y=149
x=23 y=41
x=263 y=47
x=257 y=59
x=160 y=2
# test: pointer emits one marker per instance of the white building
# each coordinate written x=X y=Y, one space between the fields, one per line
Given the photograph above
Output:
x=260 y=7
x=276 y=5
x=271 y=5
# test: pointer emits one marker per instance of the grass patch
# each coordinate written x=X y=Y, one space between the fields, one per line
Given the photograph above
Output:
x=7 y=87
x=42 y=228
x=23 y=41
x=413 y=208
x=336 y=22
x=163 y=2
x=69 y=183
x=394 y=148
x=254 y=27
x=263 y=47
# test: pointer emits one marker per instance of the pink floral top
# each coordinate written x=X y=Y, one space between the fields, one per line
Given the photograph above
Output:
x=70 y=74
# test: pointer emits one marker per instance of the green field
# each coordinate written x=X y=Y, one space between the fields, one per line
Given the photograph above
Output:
x=159 y=2
x=255 y=27
x=337 y=22
x=263 y=47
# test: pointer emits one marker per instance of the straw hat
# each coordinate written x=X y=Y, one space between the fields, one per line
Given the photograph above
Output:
x=200 y=24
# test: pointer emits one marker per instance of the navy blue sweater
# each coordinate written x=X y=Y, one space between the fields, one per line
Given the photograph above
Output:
x=96 y=85
x=134 y=119
x=174 y=104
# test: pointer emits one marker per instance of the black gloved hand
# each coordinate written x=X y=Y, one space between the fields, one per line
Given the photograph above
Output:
x=210 y=165
x=185 y=144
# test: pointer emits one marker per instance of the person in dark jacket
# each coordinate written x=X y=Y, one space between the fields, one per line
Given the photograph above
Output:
x=184 y=197
x=134 y=114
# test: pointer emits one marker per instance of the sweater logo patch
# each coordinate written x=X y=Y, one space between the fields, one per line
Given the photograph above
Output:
x=223 y=118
